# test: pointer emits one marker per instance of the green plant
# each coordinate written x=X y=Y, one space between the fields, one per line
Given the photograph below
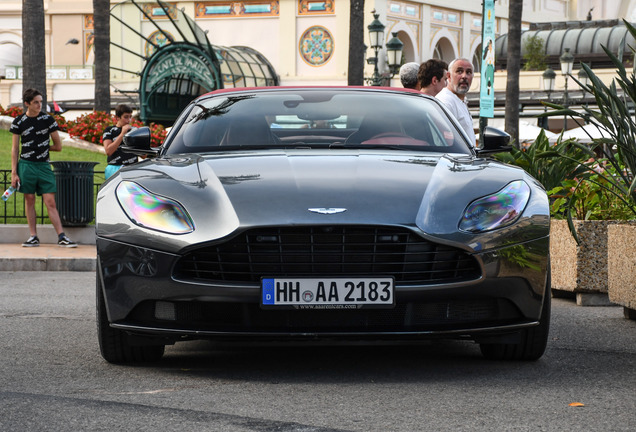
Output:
x=90 y=127
x=589 y=198
x=62 y=122
x=12 y=111
x=617 y=150
x=551 y=170
x=157 y=134
x=534 y=53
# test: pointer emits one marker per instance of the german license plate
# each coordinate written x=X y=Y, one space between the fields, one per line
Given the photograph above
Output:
x=327 y=293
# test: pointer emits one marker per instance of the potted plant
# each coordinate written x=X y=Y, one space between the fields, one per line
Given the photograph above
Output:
x=559 y=168
x=606 y=193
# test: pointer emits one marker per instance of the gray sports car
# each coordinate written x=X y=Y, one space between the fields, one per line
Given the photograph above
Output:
x=321 y=214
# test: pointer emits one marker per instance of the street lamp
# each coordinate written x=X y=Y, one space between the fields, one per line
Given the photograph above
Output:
x=393 y=51
x=567 y=62
x=549 y=77
x=584 y=79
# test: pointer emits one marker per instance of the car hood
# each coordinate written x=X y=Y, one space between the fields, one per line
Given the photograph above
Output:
x=223 y=192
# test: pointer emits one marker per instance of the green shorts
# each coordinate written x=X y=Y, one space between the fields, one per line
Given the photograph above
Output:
x=36 y=177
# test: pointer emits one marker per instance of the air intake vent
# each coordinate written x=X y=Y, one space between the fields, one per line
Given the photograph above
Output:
x=330 y=251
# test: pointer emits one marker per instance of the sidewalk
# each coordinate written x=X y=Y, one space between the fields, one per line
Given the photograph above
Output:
x=48 y=256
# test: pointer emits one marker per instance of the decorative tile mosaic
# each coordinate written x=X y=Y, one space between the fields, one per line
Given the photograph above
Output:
x=157 y=38
x=316 y=46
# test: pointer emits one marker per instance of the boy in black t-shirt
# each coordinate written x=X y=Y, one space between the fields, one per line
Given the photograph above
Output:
x=113 y=137
x=30 y=166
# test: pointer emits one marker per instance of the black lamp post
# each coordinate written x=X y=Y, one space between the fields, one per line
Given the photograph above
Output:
x=393 y=48
x=584 y=79
x=567 y=62
x=549 y=77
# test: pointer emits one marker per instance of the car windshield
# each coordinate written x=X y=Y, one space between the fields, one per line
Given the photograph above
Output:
x=315 y=118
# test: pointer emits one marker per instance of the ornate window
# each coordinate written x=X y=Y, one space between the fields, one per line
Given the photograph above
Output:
x=315 y=7
x=156 y=12
x=405 y=10
x=236 y=9
x=446 y=16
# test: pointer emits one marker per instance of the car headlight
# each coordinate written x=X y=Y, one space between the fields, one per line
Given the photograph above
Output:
x=497 y=210
x=152 y=211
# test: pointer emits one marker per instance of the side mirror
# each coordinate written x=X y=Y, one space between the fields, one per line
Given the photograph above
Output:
x=494 y=141
x=137 y=141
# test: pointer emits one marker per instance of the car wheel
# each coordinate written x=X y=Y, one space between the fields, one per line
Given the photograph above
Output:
x=113 y=343
x=533 y=340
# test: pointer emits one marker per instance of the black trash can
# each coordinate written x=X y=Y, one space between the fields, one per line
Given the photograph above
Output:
x=74 y=197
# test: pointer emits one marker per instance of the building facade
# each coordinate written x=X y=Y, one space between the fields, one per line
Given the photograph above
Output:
x=306 y=41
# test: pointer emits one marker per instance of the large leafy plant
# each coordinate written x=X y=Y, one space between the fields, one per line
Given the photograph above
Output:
x=544 y=161
x=589 y=198
x=616 y=152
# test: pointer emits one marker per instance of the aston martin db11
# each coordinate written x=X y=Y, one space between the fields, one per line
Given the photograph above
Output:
x=331 y=213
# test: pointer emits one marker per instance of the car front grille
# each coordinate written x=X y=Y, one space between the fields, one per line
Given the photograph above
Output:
x=329 y=251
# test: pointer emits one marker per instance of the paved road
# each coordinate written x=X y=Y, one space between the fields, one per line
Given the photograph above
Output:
x=52 y=377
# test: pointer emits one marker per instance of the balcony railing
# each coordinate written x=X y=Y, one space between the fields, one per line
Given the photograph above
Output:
x=85 y=72
x=12 y=210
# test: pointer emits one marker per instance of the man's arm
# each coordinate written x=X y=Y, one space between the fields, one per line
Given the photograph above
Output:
x=15 y=154
x=57 y=142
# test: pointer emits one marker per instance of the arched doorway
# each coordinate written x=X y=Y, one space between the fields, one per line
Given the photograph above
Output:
x=477 y=59
x=10 y=55
x=408 y=51
x=174 y=76
x=444 y=50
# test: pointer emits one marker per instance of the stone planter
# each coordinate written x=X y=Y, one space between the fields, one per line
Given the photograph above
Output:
x=581 y=270
x=621 y=256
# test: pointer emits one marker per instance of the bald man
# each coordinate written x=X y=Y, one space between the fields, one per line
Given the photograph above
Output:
x=460 y=78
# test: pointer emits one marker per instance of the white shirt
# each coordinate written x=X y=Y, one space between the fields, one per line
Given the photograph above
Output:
x=459 y=109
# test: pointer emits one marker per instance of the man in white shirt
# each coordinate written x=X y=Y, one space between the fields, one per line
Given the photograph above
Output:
x=460 y=78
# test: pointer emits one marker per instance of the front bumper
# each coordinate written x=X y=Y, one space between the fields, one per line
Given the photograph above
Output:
x=143 y=297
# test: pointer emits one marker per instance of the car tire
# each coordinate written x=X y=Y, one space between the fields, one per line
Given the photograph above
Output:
x=113 y=343
x=533 y=340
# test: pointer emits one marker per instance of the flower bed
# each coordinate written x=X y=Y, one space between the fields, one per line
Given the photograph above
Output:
x=90 y=127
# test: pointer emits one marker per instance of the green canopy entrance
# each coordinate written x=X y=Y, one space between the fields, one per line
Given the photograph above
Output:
x=178 y=62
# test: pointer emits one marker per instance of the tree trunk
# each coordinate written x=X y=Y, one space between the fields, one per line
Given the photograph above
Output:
x=514 y=63
x=33 y=47
x=356 y=43
x=101 y=18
